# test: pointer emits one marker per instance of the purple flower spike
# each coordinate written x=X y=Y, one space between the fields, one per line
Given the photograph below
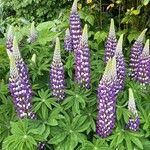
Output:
x=68 y=41
x=120 y=64
x=9 y=39
x=19 y=91
x=75 y=26
x=57 y=79
x=22 y=68
x=107 y=100
x=143 y=70
x=136 y=51
x=83 y=60
x=19 y=85
x=33 y=34
x=111 y=42
x=134 y=122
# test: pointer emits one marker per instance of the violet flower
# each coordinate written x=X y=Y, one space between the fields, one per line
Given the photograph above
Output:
x=136 y=51
x=33 y=34
x=82 y=70
x=75 y=26
x=57 y=79
x=143 y=70
x=19 y=84
x=68 y=41
x=111 y=42
x=120 y=64
x=134 y=122
x=107 y=100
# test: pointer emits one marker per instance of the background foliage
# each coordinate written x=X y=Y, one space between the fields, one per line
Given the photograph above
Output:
x=71 y=124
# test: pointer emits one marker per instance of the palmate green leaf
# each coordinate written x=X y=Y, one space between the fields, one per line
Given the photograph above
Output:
x=76 y=100
x=44 y=103
x=58 y=138
x=137 y=142
x=23 y=136
x=54 y=116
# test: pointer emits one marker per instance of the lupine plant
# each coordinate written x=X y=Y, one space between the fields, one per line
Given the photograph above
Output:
x=83 y=60
x=68 y=41
x=57 y=79
x=86 y=114
x=19 y=85
x=136 y=51
x=106 y=103
x=133 y=123
x=111 y=42
x=143 y=68
x=120 y=64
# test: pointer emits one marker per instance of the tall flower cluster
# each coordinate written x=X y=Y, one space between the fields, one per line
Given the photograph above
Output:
x=33 y=34
x=136 y=51
x=19 y=84
x=82 y=69
x=120 y=64
x=75 y=26
x=143 y=70
x=68 y=41
x=107 y=100
x=57 y=79
x=111 y=42
x=134 y=122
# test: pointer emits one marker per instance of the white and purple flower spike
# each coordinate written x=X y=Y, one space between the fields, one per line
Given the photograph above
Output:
x=107 y=100
x=24 y=76
x=19 y=92
x=57 y=79
x=136 y=51
x=33 y=33
x=134 y=122
x=143 y=70
x=22 y=68
x=82 y=68
x=111 y=42
x=9 y=39
x=68 y=41
x=120 y=64
x=75 y=26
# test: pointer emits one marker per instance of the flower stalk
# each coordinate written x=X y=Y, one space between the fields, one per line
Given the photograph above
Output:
x=57 y=79
x=107 y=100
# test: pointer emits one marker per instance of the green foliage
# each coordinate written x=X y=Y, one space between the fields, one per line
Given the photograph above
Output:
x=70 y=124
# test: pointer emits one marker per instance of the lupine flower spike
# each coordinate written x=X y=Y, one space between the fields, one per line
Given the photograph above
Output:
x=33 y=34
x=134 y=122
x=120 y=64
x=136 y=51
x=82 y=70
x=23 y=89
x=9 y=39
x=75 y=26
x=68 y=41
x=111 y=42
x=107 y=100
x=57 y=80
x=18 y=91
x=22 y=68
x=143 y=70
